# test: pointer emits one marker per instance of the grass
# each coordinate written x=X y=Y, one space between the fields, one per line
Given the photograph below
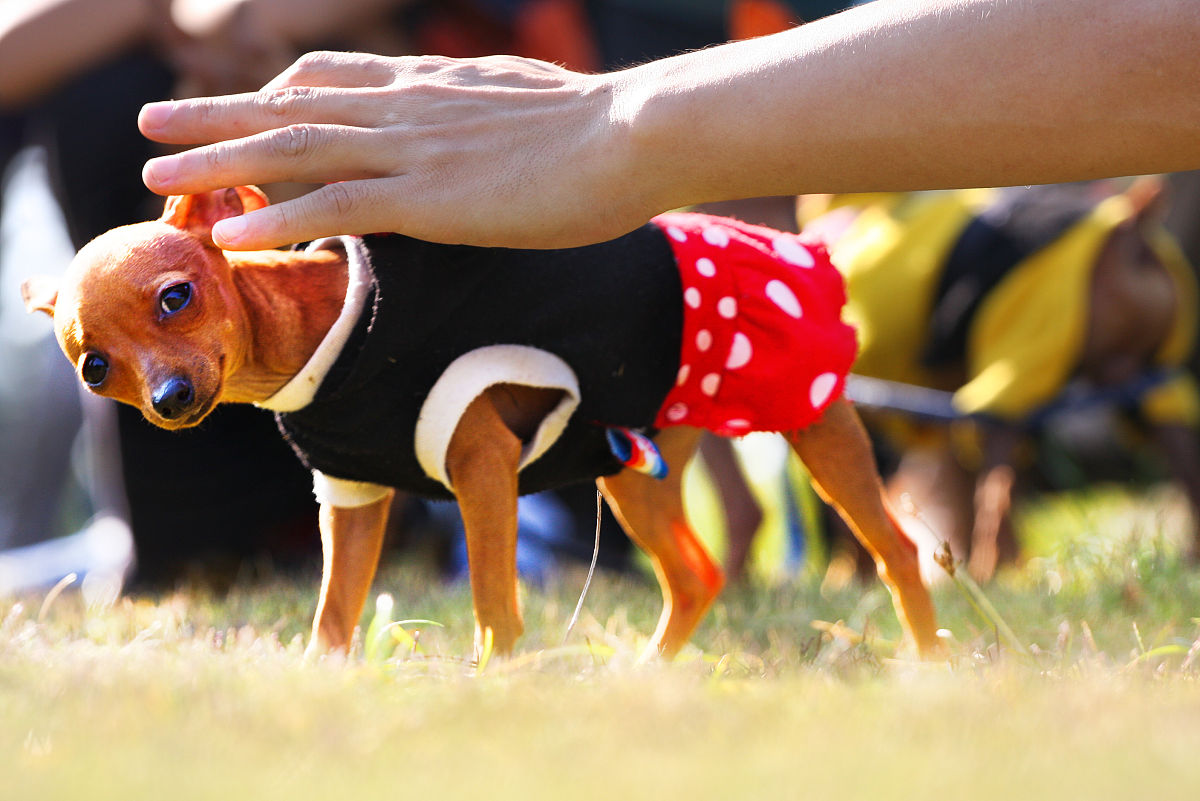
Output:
x=195 y=696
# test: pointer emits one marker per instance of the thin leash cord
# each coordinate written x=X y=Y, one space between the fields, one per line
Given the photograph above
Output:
x=591 y=571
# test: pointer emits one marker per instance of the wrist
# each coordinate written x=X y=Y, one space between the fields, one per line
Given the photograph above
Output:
x=704 y=126
x=646 y=114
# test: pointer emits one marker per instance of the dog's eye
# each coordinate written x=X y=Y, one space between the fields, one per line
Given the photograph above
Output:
x=175 y=297
x=94 y=370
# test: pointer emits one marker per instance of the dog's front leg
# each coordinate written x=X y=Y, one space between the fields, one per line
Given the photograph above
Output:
x=482 y=462
x=992 y=540
x=351 y=541
x=1181 y=446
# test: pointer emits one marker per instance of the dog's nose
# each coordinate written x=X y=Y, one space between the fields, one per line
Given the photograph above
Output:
x=174 y=397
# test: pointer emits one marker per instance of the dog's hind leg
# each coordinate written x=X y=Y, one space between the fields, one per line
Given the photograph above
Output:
x=651 y=512
x=838 y=455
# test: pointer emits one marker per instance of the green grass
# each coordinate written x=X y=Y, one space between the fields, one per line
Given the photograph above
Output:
x=195 y=696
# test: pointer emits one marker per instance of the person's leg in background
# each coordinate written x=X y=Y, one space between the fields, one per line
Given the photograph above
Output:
x=39 y=402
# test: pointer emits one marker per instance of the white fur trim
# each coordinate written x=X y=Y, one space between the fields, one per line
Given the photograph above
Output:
x=345 y=493
x=472 y=373
x=300 y=390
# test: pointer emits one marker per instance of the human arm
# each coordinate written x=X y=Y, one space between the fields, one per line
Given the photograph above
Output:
x=45 y=42
x=235 y=45
x=292 y=20
x=896 y=94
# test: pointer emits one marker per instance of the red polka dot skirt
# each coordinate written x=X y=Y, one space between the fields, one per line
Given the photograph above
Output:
x=764 y=345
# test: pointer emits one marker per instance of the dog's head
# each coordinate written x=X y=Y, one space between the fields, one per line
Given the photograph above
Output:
x=1137 y=305
x=149 y=314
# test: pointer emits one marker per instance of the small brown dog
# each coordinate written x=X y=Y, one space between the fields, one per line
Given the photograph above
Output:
x=514 y=394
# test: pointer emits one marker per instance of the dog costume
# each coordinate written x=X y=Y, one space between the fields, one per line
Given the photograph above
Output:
x=690 y=320
x=996 y=281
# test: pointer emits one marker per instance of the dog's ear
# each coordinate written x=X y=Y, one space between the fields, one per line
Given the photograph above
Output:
x=40 y=293
x=198 y=213
x=1149 y=197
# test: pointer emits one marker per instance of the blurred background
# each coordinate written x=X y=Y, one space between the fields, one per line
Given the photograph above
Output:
x=88 y=487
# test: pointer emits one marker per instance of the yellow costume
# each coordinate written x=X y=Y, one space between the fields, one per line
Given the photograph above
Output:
x=1025 y=338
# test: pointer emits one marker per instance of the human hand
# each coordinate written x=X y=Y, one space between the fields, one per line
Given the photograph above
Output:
x=499 y=151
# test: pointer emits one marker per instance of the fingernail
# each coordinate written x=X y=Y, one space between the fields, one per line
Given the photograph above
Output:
x=155 y=115
x=229 y=230
x=160 y=172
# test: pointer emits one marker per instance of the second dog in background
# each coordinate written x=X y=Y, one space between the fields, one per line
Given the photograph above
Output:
x=1014 y=300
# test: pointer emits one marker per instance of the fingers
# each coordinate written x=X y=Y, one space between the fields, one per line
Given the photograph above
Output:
x=329 y=68
x=319 y=87
x=213 y=119
x=337 y=89
x=425 y=145
x=352 y=207
x=304 y=153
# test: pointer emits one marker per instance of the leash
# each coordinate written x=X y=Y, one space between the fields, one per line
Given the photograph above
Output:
x=591 y=571
x=892 y=396
x=637 y=452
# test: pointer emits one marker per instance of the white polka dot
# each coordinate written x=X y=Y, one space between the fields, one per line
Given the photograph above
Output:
x=706 y=267
x=790 y=249
x=821 y=389
x=727 y=308
x=682 y=377
x=691 y=296
x=740 y=352
x=717 y=237
x=703 y=339
x=710 y=384
x=783 y=297
x=676 y=233
x=737 y=424
x=677 y=412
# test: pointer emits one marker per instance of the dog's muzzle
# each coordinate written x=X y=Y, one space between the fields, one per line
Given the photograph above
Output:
x=174 y=398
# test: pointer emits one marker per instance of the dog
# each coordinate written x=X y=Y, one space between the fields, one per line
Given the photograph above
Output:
x=1010 y=299
x=479 y=374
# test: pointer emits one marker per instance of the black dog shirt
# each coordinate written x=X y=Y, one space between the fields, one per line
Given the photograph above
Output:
x=689 y=320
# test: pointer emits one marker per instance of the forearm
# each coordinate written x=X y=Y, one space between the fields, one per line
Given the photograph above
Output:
x=909 y=94
x=313 y=20
x=47 y=41
x=300 y=22
x=899 y=94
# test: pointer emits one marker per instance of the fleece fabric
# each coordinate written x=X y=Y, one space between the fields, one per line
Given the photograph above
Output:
x=689 y=320
x=1019 y=329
